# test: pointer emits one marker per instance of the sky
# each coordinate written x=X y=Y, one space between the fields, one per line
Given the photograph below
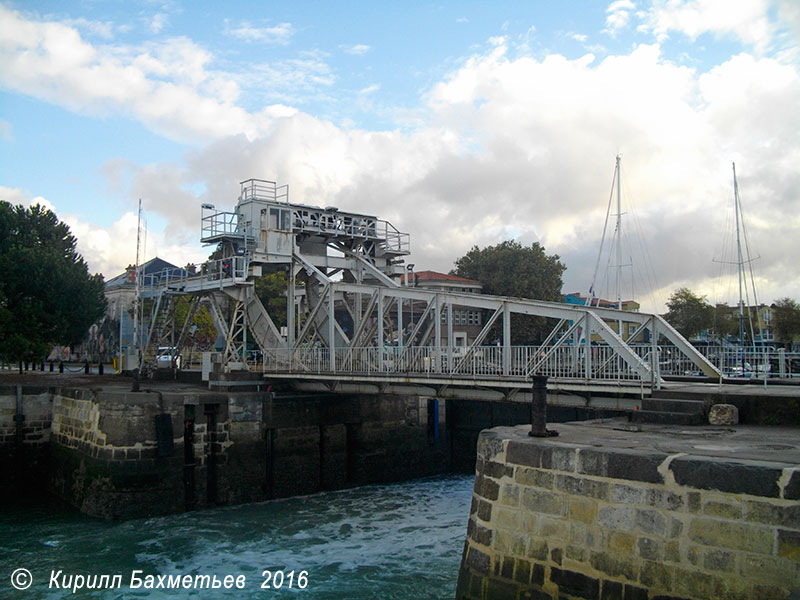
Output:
x=462 y=123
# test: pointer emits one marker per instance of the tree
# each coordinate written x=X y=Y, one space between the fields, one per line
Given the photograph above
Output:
x=202 y=332
x=689 y=313
x=511 y=269
x=271 y=290
x=786 y=320
x=47 y=295
x=726 y=321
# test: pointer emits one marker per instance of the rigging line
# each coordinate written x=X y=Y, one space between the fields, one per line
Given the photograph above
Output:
x=750 y=268
x=603 y=239
x=649 y=270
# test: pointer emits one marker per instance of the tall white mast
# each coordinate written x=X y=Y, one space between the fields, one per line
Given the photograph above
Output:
x=619 y=246
x=619 y=239
x=136 y=340
x=740 y=258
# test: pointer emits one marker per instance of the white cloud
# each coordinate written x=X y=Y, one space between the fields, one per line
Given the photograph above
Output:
x=618 y=15
x=749 y=21
x=158 y=22
x=153 y=82
x=524 y=149
x=370 y=89
x=278 y=34
x=17 y=196
x=502 y=147
x=102 y=29
x=356 y=49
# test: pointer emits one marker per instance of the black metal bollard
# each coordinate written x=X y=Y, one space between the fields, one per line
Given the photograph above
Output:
x=100 y=368
x=539 y=408
x=135 y=386
x=61 y=366
x=86 y=367
x=42 y=366
x=51 y=366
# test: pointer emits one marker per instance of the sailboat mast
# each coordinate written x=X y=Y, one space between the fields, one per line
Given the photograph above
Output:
x=740 y=258
x=619 y=246
x=136 y=336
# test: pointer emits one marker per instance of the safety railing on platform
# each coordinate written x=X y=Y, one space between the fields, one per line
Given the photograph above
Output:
x=732 y=361
x=220 y=223
x=231 y=269
x=485 y=361
x=262 y=189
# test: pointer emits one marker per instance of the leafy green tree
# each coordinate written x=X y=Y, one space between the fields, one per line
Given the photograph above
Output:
x=786 y=320
x=203 y=333
x=271 y=290
x=47 y=295
x=511 y=269
x=726 y=321
x=689 y=313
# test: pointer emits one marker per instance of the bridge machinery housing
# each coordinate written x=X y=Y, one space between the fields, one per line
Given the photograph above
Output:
x=354 y=323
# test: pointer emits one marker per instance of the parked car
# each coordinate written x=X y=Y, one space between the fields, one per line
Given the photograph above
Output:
x=164 y=358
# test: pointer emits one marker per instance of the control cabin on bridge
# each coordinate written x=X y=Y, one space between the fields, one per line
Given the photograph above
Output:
x=269 y=230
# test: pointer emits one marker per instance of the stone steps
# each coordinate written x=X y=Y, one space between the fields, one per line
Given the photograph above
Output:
x=675 y=405
x=667 y=418
x=670 y=411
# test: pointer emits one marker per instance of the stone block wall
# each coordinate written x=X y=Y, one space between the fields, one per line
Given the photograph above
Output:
x=103 y=452
x=557 y=521
x=36 y=411
x=24 y=443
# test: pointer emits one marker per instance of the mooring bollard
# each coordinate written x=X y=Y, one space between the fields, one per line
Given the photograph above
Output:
x=539 y=408
x=135 y=386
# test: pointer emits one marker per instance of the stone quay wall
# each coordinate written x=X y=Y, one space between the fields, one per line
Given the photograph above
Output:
x=118 y=454
x=25 y=423
x=555 y=520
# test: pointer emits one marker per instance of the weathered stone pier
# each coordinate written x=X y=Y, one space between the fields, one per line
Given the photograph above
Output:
x=611 y=510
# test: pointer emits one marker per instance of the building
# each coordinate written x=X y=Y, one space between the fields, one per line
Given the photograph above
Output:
x=628 y=328
x=114 y=335
x=467 y=322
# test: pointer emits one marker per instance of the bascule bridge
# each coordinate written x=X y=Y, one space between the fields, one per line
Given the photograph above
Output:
x=355 y=323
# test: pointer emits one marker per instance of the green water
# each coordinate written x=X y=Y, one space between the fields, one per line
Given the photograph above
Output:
x=399 y=541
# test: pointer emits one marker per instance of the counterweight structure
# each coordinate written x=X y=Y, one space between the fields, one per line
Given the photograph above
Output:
x=352 y=317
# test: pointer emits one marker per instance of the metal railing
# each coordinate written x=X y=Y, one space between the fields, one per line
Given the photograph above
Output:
x=231 y=269
x=732 y=361
x=262 y=189
x=484 y=361
x=220 y=223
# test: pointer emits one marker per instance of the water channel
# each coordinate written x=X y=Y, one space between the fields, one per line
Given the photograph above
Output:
x=399 y=541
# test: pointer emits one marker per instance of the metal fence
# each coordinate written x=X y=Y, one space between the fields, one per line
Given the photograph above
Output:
x=732 y=361
x=564 y=362
x=556 y=362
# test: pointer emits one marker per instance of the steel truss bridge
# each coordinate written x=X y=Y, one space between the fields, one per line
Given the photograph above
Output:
x=353 y=324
